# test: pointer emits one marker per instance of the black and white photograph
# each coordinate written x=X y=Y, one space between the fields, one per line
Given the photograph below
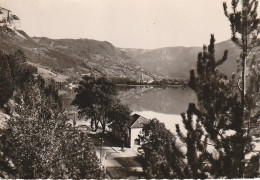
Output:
x=129 y=89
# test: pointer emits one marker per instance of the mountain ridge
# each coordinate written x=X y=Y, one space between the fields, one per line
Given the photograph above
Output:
x=176 y=62
x=98 y=57
x=84 y=56
x=77 y=57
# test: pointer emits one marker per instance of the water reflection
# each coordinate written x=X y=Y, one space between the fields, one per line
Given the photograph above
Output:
x=162 y=100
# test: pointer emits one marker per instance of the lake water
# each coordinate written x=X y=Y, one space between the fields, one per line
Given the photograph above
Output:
x=167 y=101
x=163 y=104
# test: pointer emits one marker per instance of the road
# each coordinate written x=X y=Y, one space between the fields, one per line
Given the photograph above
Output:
x=117 y=163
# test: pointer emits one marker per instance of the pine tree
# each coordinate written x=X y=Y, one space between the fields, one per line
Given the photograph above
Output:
x=216 y=141
x=245 y=28
x=194 y=145
x=253 y=94
x=161 y=154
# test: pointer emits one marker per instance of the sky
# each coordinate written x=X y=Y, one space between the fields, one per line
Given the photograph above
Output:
x=146 y=24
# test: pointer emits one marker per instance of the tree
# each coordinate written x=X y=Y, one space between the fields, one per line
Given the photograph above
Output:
x=245 y=29
x=253 y=95
x=6 y=167
x=195 y=146
x=216 y=140
x=94 y=98
x=6 y=81
x=119 y=116
x=21 y=71
x=162 y=156
x=13 y=72
x=42 y=143
x=252 y=170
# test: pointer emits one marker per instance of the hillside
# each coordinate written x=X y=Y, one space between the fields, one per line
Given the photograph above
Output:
x=176 y=62
x=100 y=57
x=70 y=57
x=133 y=52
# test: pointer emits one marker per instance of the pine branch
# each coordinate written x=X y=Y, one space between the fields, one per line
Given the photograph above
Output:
x=223 y=59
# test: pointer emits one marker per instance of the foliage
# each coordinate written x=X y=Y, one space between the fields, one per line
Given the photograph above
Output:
x=119 y=117
x=216 y=141
x=252 y=170
x=21 y=71
x=253 y=95
x=6 y=82
x=94 y=98
x=13 y=72
x=162 y=156
x=245 y=29
x=43 y=144
x=6 y=167
x=244 y=23
x=39 y=143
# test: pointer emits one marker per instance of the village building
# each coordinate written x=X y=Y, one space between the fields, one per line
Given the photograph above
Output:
x=134 y=128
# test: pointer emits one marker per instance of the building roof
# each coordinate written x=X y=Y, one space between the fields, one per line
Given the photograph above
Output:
x=137 y=121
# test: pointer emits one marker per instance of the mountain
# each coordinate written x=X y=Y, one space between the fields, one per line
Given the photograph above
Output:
x=171 y=61
x=133 y=52
x=73 y=58
x=99 y=56
x=176 y=62
x=69 y=57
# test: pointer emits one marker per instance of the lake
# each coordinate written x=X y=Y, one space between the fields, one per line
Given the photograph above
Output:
x=165 y=104
x=167 y=101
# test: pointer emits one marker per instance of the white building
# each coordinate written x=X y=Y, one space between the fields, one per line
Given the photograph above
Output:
x=134 y=128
